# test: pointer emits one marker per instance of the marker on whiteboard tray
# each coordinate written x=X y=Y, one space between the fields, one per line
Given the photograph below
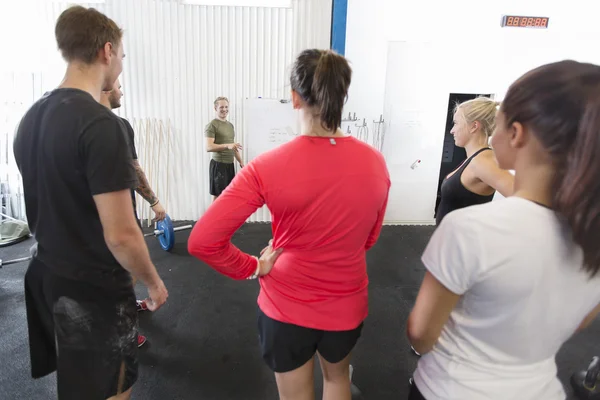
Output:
x=415 y=164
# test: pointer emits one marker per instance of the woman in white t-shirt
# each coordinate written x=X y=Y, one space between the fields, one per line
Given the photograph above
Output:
x=508 y=282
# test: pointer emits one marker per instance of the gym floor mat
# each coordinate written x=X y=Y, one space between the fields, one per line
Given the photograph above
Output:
x=203 y=343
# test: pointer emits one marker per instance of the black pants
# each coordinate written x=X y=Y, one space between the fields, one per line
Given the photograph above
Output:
x=87 y=334
x=286 y=347
x=220 y=176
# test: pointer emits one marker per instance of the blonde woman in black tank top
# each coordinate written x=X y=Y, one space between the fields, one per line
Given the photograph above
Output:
x=478 y=178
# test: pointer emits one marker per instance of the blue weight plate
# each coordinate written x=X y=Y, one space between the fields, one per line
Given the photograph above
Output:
x=167 y=239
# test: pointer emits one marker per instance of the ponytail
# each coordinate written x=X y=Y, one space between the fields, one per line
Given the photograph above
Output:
x=577 y=188
x=322 y=79
x=330 y=88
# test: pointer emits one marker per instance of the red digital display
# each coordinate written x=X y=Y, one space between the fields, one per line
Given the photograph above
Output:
x=517 y=21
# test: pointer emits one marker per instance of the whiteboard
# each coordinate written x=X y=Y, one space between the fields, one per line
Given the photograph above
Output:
x=268 y=124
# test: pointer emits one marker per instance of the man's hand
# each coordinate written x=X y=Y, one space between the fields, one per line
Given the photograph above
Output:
x=267 y=259
x=158 y=296
x=234 y=146
x=238 y=157
x=159 y=212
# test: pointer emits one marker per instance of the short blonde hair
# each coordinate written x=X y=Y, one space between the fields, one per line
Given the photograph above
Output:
x=481 y=109
x=218 y=99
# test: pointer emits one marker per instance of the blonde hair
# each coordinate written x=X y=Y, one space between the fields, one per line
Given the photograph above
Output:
x=481 y=109
x=218 y=99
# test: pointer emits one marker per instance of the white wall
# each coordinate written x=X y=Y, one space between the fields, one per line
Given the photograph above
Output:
x=456 y=48
x=178 y=59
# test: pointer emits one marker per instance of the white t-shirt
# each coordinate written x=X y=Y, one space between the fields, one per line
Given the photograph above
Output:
x=523 y=294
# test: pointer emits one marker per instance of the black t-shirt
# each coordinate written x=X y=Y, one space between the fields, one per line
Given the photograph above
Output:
x=68 y=147
x=131 y=138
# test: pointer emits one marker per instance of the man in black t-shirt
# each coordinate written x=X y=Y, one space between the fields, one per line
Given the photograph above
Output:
x=112 y=100
x=77 y=176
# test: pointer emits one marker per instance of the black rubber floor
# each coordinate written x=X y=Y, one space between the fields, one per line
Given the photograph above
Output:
x=203 y=344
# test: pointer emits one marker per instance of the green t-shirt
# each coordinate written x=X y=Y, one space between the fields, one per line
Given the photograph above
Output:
x=223 y=133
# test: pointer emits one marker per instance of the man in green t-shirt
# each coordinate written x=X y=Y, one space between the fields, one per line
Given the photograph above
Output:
x=220 y=136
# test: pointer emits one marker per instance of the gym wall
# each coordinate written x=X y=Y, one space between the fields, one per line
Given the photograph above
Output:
x=179 y=58
x=408 y=57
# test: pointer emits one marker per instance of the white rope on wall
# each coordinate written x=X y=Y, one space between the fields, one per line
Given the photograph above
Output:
x=153 y=140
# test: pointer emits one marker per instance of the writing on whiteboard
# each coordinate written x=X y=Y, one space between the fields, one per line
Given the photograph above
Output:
x=281 y=135
x=411 y=124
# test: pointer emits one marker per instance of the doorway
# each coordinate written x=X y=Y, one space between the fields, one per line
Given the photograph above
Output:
x=452 y=155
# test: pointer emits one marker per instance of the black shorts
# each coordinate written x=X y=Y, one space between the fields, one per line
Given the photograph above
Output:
x=286 y=347
x=85 y=333
x=220 y=176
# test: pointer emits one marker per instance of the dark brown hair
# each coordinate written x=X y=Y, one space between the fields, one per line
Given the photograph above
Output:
x=560 y=104
x=322 y=78
x=82 y=32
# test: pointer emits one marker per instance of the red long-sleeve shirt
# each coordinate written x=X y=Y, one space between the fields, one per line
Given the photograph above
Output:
x=327 y=203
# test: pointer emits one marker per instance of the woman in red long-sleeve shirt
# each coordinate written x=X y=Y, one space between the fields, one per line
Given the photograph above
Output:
x=327 y=194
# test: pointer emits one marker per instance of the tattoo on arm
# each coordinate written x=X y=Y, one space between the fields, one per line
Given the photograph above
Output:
x=144 y=188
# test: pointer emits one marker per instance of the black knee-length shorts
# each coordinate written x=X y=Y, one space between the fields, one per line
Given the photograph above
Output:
x=88 y=335
x=220 y=176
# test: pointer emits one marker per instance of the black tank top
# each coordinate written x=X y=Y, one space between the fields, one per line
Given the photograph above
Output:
x=455 y=195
